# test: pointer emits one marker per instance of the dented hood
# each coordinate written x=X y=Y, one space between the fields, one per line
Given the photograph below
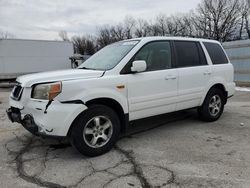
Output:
x=52 y=76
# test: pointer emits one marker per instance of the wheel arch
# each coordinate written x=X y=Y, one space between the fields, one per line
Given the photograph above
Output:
x=113 y=104
x=219 y=86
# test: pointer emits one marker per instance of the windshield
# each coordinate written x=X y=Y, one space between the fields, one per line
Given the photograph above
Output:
x=108 y=57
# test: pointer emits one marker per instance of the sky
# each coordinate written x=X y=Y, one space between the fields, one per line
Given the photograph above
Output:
x=43 y=19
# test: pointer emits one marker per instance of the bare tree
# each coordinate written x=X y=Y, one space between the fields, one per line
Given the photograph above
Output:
x=219 y=18
x=6 y=35
x=189 y=26
x=216 y=19
x=183 y=26
x=172 y=26
x=84 y=45
x=117 y=32
x=104 y=36
x=247 y=26
x=161 y=24
x=63 y=35
x=153 y=29
x=129 y=24
x=246 y=15
x=141 y=28
x=90 y=45
x=244 y=19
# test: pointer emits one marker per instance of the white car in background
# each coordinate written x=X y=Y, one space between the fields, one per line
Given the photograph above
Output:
x=124 y=81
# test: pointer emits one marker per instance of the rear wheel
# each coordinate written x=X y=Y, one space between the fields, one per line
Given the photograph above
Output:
x=213 y=105
x=95 y=131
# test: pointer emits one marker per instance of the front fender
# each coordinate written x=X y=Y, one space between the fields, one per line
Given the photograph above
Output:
x=95 y=93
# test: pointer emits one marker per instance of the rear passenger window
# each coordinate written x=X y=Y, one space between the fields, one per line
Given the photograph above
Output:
x=189 y=54
x=216 y=53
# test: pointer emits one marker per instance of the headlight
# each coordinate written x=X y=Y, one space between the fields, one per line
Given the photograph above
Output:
x=46 y=91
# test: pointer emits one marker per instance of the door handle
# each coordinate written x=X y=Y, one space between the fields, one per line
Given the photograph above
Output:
x=207 y=73
x=172 y=77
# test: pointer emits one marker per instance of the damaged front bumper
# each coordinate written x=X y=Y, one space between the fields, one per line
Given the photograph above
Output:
x=28 y=122
x=40 y=119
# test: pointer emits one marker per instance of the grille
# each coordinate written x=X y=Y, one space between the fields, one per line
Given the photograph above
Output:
x=17 y=92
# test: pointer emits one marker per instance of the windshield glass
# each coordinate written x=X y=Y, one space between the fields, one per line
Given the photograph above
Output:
x=108 y=57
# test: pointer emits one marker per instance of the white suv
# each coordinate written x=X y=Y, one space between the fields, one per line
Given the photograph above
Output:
x=124 y=81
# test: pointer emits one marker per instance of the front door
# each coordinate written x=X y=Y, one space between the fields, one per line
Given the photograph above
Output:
x=154 y=91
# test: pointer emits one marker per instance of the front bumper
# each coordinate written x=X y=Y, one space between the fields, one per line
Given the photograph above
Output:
x=28 y=122
x=39 y=118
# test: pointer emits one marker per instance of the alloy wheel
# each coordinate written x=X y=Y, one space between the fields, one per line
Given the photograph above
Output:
x=215 y=105
x=98 y=131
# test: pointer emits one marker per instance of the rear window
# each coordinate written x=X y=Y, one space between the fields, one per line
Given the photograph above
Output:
x=189 y=54
x=216 y=53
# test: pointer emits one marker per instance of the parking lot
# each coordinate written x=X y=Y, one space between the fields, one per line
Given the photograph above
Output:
x=174 y=150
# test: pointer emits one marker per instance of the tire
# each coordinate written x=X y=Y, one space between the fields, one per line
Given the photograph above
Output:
x=89 y=129
x=211 y=111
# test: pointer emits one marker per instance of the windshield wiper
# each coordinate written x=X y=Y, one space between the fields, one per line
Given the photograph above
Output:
x=91 y=69
x=87 y=68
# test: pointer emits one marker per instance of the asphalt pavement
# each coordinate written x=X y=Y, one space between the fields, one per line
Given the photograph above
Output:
x=172 y=150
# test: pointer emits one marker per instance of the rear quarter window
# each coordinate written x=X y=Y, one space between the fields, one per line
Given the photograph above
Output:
x=216 y=53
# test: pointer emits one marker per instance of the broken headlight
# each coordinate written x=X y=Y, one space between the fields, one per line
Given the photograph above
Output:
x=46 y=91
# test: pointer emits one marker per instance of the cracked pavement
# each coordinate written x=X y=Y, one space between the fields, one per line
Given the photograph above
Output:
x=173 y=150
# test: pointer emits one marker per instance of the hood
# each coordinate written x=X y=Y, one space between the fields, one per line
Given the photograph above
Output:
x=52 y=76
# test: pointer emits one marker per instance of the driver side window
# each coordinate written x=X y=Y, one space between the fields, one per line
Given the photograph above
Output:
x=156 y=54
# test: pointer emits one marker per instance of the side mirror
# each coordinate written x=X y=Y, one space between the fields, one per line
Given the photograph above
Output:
x=139 y=66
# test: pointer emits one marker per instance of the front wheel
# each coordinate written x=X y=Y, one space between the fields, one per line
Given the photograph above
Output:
x=213 y=105
x=95 y=131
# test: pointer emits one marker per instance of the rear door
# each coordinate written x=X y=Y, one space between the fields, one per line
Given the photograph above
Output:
x=194 y=73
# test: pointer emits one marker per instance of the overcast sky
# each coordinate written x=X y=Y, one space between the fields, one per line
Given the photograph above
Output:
x=43 y=19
